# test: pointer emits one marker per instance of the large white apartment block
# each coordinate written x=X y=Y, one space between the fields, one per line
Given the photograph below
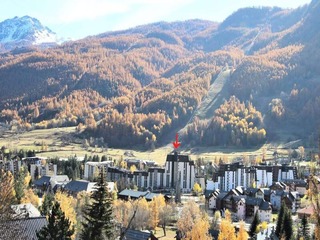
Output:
x=179 y=172
x=179 y=169
x=230 y=176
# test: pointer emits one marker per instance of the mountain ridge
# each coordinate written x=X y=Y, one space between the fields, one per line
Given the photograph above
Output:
x=25 y=32
x=147 y=82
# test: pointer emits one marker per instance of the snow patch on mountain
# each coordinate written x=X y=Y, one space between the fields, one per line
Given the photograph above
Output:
x=25 y=31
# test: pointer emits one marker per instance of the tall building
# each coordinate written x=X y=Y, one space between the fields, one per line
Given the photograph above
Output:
x=230 y=176
x=179 y=169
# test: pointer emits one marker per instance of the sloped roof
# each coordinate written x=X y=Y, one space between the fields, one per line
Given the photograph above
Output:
x=265 y=205
x=240 y=189
x=46 y=179
x=79 y=185
x=208 y=193
x=280 y=192
x=222 y=195
x=151 y=195
x=27 y=228
x=137 y=235
x=43 y=180
x=307 y=210
x=132 y=193
x=297 y=182
x=266 y=191
x=136 y=194
x=253 y=201
x=25 y=210
x=60 y=178
x=252 y=191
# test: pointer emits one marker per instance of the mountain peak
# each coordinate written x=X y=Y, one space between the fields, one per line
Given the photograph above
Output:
x=23 y=32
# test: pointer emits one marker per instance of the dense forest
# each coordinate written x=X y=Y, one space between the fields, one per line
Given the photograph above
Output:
x=136 y=86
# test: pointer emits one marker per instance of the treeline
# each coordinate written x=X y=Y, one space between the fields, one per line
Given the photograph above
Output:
x=148 y=96
x=142 y=83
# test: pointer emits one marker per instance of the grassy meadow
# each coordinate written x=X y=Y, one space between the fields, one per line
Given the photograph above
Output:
x=58 y=142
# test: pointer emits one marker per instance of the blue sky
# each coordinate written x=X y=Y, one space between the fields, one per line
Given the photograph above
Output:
x=79 y=18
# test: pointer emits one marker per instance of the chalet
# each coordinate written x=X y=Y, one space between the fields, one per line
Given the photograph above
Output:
x=220 y=200
x=292 y=201
x=132 y=194
x=131 y=234
x=254 y=192
x=298 y=185
x=212 y=198
x=307 y=211
x=266 y=194
x=228 y=201
x=276 y=197
x=248 y=206
x=241 y=208
x=278 y=186
x=49 y=183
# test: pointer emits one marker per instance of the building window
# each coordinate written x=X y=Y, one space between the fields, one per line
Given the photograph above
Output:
x=161 y=180
x=150 y=180
x=145 y=181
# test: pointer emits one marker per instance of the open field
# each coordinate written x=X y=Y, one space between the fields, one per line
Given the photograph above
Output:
x=58 y=142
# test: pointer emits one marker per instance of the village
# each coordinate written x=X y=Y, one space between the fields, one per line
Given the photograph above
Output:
x=242 y=188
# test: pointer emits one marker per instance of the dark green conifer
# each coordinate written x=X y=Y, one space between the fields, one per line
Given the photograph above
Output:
x=47 y=204
x=254 y=224
x=19 y=185
x=287 y=224
x=305 y=228
x=279 y=227
x=58 y=227
x=98 y=215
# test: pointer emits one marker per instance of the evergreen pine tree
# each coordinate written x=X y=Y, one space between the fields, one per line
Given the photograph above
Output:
x=279 y=227
x=98 y=215
x=58 y=227
x=305 y=228
x=47 y=204
x=19 y=185
x=254 y=224
x=287 y=226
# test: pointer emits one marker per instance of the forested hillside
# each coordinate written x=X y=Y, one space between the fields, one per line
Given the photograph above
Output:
x=134 y=87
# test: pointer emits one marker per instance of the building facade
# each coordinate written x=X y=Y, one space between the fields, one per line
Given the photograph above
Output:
x=236 y=174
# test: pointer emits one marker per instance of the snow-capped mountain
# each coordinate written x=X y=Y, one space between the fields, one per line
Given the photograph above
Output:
x=23 y=32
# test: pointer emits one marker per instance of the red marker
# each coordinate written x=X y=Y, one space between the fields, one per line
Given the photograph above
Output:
x=176 y=144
